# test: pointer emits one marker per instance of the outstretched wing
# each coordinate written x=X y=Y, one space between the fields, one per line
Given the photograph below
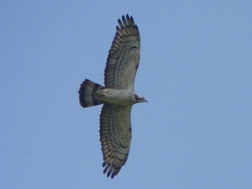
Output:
x=123 y=57
x=115 y=137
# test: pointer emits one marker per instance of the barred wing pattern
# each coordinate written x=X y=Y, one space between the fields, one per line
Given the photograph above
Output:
x=124 y=55
x=115 y=136
x=120 y=71
x=118 y=96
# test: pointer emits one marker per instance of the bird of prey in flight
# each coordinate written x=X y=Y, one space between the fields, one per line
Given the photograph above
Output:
x=117 y=96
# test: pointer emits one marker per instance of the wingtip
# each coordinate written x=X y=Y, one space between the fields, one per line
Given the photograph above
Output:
x=109 y=170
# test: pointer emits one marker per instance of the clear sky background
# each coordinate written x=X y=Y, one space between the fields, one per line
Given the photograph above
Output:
x=195 y=71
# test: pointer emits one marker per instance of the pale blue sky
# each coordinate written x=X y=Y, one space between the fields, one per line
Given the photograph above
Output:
x=195 y=71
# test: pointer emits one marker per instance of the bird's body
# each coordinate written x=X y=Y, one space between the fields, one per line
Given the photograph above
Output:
x=118 y=95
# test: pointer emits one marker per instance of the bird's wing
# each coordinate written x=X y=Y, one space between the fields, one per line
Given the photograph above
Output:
x=123 y=57
x=115 y=137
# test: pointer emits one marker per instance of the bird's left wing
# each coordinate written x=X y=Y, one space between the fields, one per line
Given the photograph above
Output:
x=115 y=137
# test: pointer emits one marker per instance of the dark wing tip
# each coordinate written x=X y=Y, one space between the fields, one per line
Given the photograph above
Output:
x=110 y=170
x=128 y=21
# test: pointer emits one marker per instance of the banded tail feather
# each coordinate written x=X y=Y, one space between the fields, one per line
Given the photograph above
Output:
x=86 y=93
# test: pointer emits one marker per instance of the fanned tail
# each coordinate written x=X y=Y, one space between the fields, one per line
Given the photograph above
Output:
x=86 y=93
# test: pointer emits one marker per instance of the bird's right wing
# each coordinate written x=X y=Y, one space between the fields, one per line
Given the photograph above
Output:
x=123 y=57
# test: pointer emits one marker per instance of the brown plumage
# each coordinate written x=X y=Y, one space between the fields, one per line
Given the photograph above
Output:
x=118 y=95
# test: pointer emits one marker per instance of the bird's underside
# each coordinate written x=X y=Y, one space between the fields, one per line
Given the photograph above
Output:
x=117 y=96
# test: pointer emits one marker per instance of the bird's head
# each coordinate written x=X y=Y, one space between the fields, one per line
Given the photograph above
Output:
x=140 y=99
